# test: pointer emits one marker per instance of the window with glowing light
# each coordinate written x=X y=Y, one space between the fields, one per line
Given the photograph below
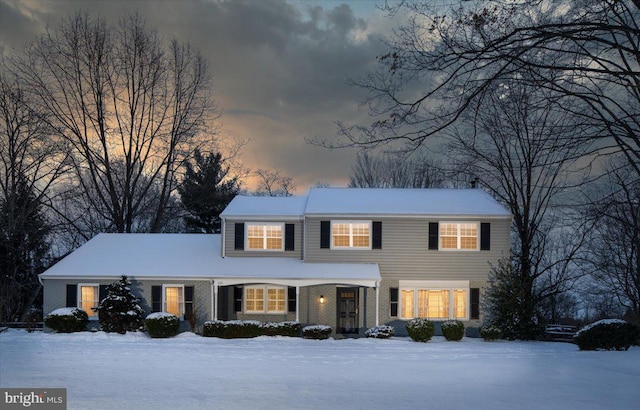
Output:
x=265 y=236
x=265 y=299
x=351 y=234
x=88 y=298
x=438 y=304
x=173 y=300
x=459 y=236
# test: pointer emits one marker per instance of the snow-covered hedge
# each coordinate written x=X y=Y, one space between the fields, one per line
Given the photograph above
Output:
x=490 y=333
x=249 y=328
x=607 y=334
x=452 y=330
x=380 y=332
x=67 y=320
x=161 y=324
x=318 y=332
x=420 y=329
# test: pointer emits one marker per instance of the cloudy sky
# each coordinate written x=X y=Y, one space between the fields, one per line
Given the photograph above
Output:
x=279 y=67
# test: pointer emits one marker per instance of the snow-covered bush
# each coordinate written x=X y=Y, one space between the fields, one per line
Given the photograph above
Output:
x=490 y=333
x=420 y=329
x=120 y=310
x=290 y=328
x=452 y=330
x=162 y=324
x=67 y=320
x=607 y=334
x=232 y=329
x=380 y=332
x=318 y=332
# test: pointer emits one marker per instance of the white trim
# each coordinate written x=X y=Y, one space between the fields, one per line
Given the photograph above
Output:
x=351 y=223
x=223 y=232
x=79 y=287
x=265 y=296
x=264 y=236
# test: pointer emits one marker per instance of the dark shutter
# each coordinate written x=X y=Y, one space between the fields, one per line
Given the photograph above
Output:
x=325 y=234
x=72 y=296
x=156 y=298
x=239 y=236
x=291 y=297
x=237 y=298
x=289 y=237
x=485 y=236
x=102 y=292
x=475 y=303
x=393 y=298
x=433 y=235
x=376 y=235
x=188 y=302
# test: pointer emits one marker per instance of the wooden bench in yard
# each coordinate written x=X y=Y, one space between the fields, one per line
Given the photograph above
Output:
x=560 y=333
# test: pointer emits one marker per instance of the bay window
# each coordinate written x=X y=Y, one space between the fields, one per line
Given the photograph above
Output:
x=438 y=301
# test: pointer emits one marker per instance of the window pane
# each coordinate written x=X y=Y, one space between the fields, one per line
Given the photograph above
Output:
x=423 y=303
x=274 y=243
x=459 y=304
x=469 y=243
x=407 y=304
x=89 y=299
x=449 y=243
x=255 y=300
x=255 y=243
x=173 y=300
x=433 y=304
x=276 y=301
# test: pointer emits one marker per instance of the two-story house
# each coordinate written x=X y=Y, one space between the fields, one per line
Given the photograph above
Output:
x=349 y=258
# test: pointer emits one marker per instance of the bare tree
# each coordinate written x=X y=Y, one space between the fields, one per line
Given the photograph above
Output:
x=517 y=143
x=615 y=241
x=274 y=183
x=395 y=170
x=31 y=163
x=447 y=57
x=132 y=110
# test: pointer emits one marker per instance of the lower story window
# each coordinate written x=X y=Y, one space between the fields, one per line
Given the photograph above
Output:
x=88 y=295
x=434 y=303
x=173 y=300
x=265 y=299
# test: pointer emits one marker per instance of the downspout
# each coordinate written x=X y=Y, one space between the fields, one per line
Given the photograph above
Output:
x=304 y=238
x=297 y=303
x=212 y=316
x=214 y=290
x=377 y=303
x=222 y=239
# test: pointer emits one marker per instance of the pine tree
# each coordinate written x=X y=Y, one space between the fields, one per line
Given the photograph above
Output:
x=206 y=191
x=120 y=310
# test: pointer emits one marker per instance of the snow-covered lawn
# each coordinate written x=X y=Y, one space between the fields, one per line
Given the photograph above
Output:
x=132 y=371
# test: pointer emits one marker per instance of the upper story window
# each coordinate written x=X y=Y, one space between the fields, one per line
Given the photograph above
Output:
x=351 y=234
x=265 y=236
x=458 y=236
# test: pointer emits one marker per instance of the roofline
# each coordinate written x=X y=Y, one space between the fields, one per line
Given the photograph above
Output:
x=410 y=216
x=116 y=277
x=257 y=217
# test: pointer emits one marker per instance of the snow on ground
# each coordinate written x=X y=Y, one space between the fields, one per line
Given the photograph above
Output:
x=111 y=371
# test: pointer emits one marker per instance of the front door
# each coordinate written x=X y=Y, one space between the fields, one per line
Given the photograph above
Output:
x=347 y=310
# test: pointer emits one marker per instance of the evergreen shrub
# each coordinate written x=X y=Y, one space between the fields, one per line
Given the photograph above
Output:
x=318 y=332
x=67 y=320
x=120 y=310
x=607 y=334
x=161 y=325
x=380 y=332
x=420 y=329
x=289 y=328
x=490 y=333
x=452 y=330
x=232 y=329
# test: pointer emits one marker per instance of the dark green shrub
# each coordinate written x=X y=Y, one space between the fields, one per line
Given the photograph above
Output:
x=232 y=329
x=291 y=329
x=380 y=332
x=162 y=324
x=452 y=330
x=490 y=333
x=318 y=332
x=607 y=334
x=420 y=330
x=67 y=320
x=120 y=310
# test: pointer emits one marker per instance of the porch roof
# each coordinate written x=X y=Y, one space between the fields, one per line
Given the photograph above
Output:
x=197 y=256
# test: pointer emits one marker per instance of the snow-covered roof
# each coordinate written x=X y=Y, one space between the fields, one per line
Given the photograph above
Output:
x=396 y=201
x=195 y=256
x=247 y=206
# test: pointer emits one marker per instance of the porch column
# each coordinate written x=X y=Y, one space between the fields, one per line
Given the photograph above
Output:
x=214 y=299
x=377 y=303
x=297 y=303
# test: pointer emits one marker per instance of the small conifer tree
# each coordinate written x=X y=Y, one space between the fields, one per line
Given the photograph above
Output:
x=120 y=310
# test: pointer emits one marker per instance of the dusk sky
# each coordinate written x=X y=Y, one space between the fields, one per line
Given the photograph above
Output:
x=279 y=67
